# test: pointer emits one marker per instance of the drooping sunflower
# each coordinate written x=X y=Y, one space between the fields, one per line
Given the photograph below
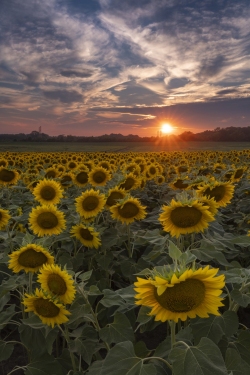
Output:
x=66 y=180
x=8 y=177
x=47 y=308
x=4 y=218
x=181 y=295
x=130 y=182
x=185 y=217
x=90 y=203
x=29 y=258
x=48 y=192
x=46 y=220
x=222 y=192
x=86 y=235
x=114 y=195
x=57 y=282
x=99 y=176
x=128 y=210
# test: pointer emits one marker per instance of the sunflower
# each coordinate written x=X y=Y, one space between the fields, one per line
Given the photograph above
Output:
x=185 y=217
x=130 y=182
x=57 y=282
x=90 y=203
x=81 y=178
x=51 y=173
x=222 y=192
x=181 y=295
x=8 y=177
x=86 y=235
x=179 y=184
x=66 y=180
x=99 y=176
x=128 y=211
x=29 y=258
x=49 y=310
x=46 y=220
x=48 y=192
x=4 y=218
x=114 y=195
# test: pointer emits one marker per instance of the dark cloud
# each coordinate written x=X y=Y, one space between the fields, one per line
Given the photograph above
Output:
x=64 y=96
x=76 y=73
x=226 y=91
x=211 y=67
x=174 y=83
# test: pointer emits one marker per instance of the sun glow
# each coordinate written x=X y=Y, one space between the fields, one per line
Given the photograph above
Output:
x=167 y=128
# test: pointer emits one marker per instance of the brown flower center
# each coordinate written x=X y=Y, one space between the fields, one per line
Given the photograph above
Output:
x=48 y=193
x=128 y=210
x=6 y=175
x=99 y=177
x=56 y=284
x=82 y=177
x=90 y=203
x=46 y=308
x=85 y=234
x=50 y=174
x=185 y=217
x=179 y=184
x=238 y=173
x=113 y=197
x=47 y=220
x=128 y=183
x=31 y=258
x=182 y=297
x=218 y=192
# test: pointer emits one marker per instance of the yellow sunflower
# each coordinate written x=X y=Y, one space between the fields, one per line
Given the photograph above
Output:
x=130 y=182
x=51 y=173
x=99 y=176
x=8 y=177
x=46 y=220
x=4 y=218
x=181 y=296
x=222 y=192
x=66 y=180
x=29 y=258
x=90 y=203
x=182 y=218
x=48 y=309
x=81 y=178
x=86 y=235
x=179 y=184
x=114 y=195
x=48 y=192
x=57 y=282
x=128 y=211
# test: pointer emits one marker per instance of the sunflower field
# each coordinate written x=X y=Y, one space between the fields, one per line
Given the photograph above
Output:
x=125 y=263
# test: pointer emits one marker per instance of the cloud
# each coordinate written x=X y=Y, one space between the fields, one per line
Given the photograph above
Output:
x=64 y=96
x=76 y=73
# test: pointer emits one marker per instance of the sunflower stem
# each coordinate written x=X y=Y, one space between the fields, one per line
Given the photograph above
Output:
x=30 y=282
x=129 y=241
x=229 y=298
x=172 y=328
x=67 y=338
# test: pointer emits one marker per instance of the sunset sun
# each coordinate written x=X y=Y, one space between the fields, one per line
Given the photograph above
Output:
x=167 y=129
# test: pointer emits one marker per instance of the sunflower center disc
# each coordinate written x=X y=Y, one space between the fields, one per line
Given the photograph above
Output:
x=50 y=174
x=86 y=235
x=72 y=165
x=48 y=193
x=47 y=220
x=65 y=180
x=128 y=184
x=128 y=210
x=182 y=297
x=31 y=258
x=238 y=173
x=217 y=192
x=180 y=185
x=114 y=196
x=1 y=216
x=56 y=284
x=99 y=177
x=46 y=308
x=82 y=177
x=6 y=176
x=90 y=203
x=185 y=217
x=152 y=170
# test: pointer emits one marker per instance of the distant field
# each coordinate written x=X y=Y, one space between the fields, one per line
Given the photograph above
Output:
x=121 y=146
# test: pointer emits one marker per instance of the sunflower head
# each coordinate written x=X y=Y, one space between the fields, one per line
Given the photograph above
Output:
x=48 y=192
x=4 y=218
x=86 y=235
x=115 y=195
x=181 y=295
x=29 y=258
x=90 y=203
x=8 y=177
x=99 y=176
x=46 y=220
x=128 y=210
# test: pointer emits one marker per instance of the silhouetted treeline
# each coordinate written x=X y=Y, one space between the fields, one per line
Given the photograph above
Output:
x=230 y=134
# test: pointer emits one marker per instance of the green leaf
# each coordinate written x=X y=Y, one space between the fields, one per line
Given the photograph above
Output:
x=111 y=298
x=243 y=345
x=118 y=331
x=5 y=350
x=44 y=365
x=86 y=275
x=122 y=359
x=215 y=327
x=85 y=348
x=235 y=363
x=6 y=316
x=174 y=251
x=241 y=299
x=203 y=359
x=33 y=339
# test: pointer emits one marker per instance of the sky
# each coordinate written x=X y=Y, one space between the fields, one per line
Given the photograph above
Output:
x=94 y=67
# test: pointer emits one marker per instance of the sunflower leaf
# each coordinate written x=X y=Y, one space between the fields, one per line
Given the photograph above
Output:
x=118 y=331
x=6 y=350
x=174 y=252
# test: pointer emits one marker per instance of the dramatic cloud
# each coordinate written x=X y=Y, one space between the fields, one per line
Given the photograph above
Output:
x=70 y=66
